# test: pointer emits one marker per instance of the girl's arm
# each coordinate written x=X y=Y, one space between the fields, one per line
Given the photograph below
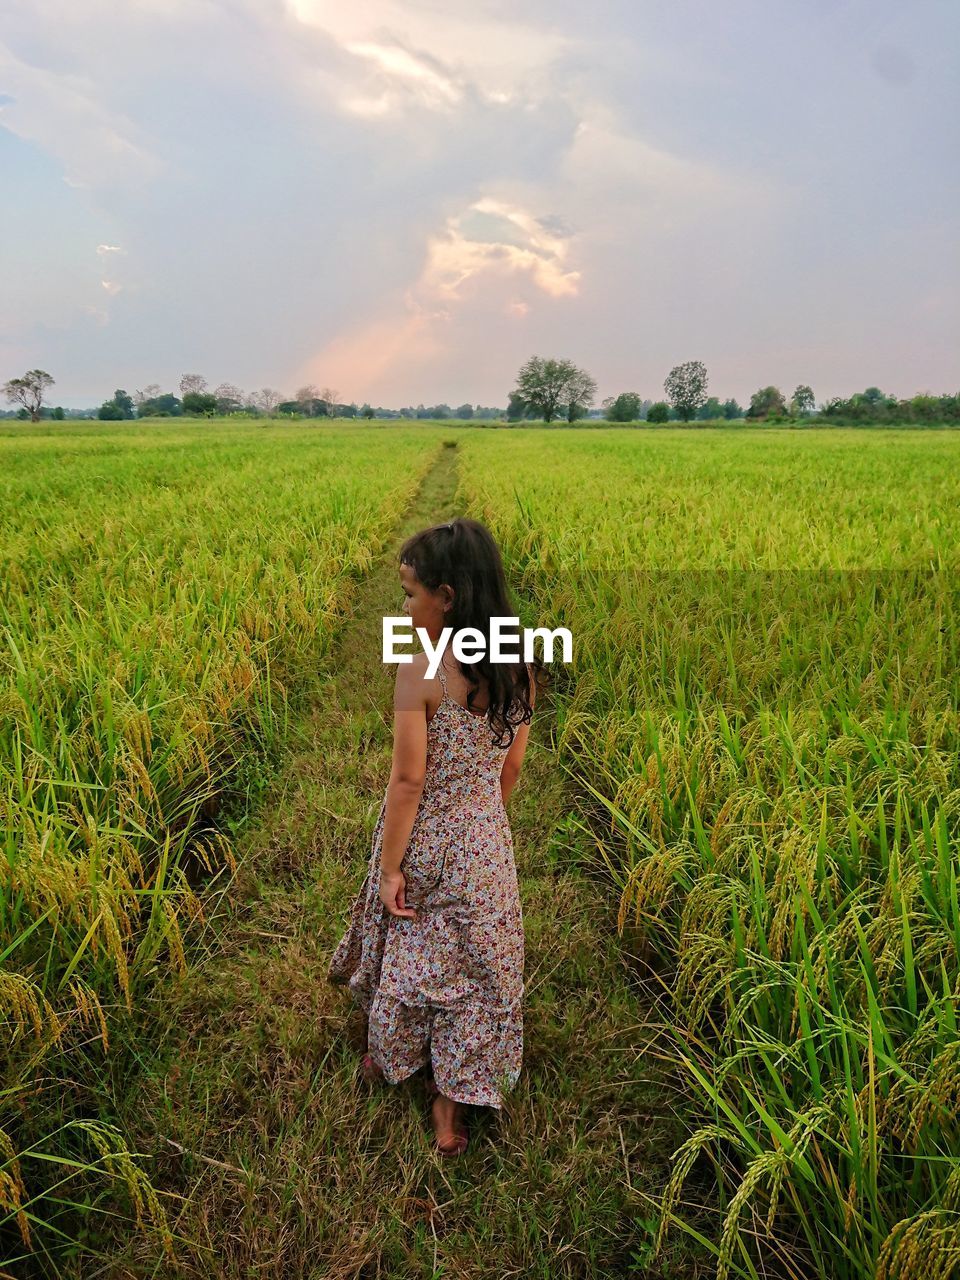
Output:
x=409 y=763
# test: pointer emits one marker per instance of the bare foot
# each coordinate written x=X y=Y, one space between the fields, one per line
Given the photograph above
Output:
x=447 y=1122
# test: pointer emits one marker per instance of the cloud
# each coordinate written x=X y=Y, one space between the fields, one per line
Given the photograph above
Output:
x=435 y=57
x=98 y=314
x=496 y=238
x=61 y=112
x=108 y=252
x=604 y=156
x=459 y=180
x=467 y=266
x=415 y=75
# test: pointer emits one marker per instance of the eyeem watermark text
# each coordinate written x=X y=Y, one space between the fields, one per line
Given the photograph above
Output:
x=469 y=643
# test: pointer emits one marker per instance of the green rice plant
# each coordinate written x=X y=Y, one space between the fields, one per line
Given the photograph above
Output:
x=761 y=720
x=160 y=588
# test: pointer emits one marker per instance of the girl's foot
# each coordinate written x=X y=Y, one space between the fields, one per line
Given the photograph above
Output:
x=371 y=1073
x=448 y=1126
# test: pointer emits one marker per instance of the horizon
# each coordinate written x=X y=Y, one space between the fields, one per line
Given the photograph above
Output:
x=596 y=407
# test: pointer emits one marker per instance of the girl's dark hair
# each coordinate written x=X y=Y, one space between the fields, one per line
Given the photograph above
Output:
x=464 y=555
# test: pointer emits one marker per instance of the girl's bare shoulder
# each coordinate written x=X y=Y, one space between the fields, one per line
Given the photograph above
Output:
x=412 y=676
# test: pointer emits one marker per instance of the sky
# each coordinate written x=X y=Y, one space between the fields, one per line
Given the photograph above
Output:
x=404 y=200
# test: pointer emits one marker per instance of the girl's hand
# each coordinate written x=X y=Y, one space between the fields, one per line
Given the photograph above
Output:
x=393 y=887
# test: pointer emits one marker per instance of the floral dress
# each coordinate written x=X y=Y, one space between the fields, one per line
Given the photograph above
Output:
x=445 y=988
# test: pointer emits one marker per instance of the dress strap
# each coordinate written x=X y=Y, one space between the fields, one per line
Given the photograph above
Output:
x=443 y=677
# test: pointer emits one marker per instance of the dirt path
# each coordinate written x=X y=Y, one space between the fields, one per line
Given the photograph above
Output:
x=289 y=1165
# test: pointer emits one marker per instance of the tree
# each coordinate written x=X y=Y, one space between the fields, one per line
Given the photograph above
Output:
x=120 y=407
x=686 y=387
x=124 y=403
x=582 y=393
x=871 y=405
x=659 y=411
x=465 y=412
x=229 y=398
x=517 y=407
x=199 y=404
x=803 y=400
x=766 y=401
x=710 y=410
x=316 y=402
x=625 y=407
x=924 y=408
x=366 y=412
x=149 y=392
x=731 y=409
x=58 y=413
x=29 y=391
x=165 y=406
x=265 y=400
x=192 y=383
x=305 y=397
x=545 y=385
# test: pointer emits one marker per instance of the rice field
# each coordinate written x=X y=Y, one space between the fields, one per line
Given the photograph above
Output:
x=762 y=714
x=161 y=586
x=760 y=731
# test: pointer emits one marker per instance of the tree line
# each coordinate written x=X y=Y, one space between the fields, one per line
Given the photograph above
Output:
x=197 y=400
x=546 y=390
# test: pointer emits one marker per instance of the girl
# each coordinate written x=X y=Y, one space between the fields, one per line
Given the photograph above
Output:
x=434 y=949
